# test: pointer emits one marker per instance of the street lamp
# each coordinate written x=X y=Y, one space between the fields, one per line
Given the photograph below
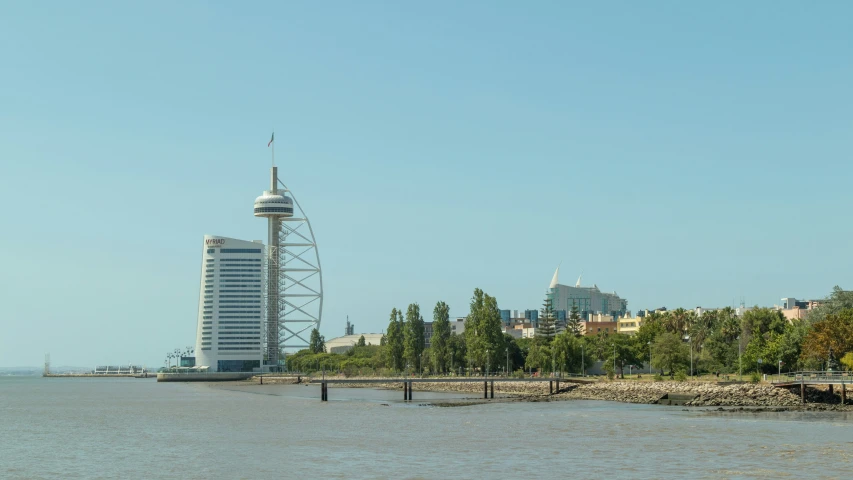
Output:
x=507 y=362
x=780 y=369
x=690 y=342
x=583 y=367
x=487 y=362
x=739 y=366
x=614 y=359
x=650 y=357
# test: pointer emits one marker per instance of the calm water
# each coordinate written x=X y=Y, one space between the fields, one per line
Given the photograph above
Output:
x=128 y=428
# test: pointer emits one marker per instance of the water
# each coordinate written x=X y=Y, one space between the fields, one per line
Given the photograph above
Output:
x=130 y=428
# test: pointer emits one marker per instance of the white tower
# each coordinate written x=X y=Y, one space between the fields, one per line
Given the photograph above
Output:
x=294 y=281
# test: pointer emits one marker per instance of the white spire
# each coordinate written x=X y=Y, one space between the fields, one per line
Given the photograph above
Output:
x=556 y=277
x=578 y=284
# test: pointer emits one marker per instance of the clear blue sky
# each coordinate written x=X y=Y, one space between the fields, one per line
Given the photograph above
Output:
x=680 y=154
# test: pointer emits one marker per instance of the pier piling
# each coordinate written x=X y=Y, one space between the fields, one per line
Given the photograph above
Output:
x=493 y=389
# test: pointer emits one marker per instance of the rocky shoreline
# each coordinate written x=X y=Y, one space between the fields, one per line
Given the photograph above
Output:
x=753 y=396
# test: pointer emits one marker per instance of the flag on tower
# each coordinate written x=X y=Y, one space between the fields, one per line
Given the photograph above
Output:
x=271 y=139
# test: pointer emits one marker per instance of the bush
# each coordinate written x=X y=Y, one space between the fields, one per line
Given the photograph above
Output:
x=680 y=376
x=658 y=377
x=755 y=377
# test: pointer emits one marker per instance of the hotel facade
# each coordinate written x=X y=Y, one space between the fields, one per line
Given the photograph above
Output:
x=229 y=334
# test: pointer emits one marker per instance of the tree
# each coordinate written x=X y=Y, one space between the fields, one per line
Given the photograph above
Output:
x=317 y=343
x=513 y=350
x=669 y=352
x=456 y=351
x=620 y=349
x=394 y=340
x=837 y=301
x=440 y=336
x=483 y=335
x=847 y=361
x=413 y=336
x=361 y=342
x=546 y=329
x=574 y=322
x=832 y=334
x=568 y=350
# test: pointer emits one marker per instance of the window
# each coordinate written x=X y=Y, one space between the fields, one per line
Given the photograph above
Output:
x=211 y=250
x=208 y=296
x=239 y=259
x=243 y=275
x=239 y=343
x=209 y=275
x=238 y=301
x=208 y=301
x=273 y=210
x=224 y=280
x=256 y=322
x=255 y=349
x=239 y=250
x=237 y=365
x=253 y=270
x=205 y=343
x=207 y=323
x=207 y=317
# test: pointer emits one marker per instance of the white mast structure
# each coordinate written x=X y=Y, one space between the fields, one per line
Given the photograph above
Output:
x=293 y=289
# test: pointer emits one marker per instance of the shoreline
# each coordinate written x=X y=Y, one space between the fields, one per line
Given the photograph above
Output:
x=755 y=397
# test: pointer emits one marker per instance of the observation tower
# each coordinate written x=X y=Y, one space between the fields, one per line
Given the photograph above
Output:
x=293 y=281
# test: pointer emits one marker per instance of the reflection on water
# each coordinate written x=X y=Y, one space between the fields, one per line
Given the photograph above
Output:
x=129 y=428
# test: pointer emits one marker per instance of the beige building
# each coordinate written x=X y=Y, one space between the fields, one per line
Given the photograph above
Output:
x=629 y=325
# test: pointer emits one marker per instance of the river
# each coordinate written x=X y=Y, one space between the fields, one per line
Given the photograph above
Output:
x=134 y=428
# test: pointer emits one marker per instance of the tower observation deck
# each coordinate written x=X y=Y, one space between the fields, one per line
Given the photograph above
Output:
x=293 y=280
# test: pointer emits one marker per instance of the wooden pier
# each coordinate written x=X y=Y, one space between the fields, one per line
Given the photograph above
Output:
x=831 y=378
x=488 y=383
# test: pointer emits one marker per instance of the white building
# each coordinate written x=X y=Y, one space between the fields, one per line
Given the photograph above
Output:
x=345 y=343
x=228 y=337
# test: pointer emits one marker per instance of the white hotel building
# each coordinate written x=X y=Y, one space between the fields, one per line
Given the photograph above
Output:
x=230 y=305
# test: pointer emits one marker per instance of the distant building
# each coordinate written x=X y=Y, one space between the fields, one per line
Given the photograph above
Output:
x=587 y=299
x=427 y=334
x=505 y=317
x=457 y=326
x=629 y=325
x=532 y=315
x=345 y=343
x=794 y=309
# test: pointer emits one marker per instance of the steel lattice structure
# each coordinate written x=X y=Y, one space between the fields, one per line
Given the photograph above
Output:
x=293 y=280
x=301 y=279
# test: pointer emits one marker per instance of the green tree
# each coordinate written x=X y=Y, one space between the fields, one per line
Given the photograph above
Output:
x=669 y=353
x=456 y=352
x=546 y=328
x=394 y=340
x=440 y=337
x=620 y=349
x=568 y=350
x=516 y=355
x=538 y=357
x=483 y=336
x=837 y=301
x=573 y=324
x=413 y=336
x=317 y=343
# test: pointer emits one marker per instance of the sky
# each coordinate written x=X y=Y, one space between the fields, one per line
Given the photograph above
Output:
x=681 y=154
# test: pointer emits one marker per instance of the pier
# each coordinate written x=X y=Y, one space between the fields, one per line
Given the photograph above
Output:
x=488 y=383
x=802 y=379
